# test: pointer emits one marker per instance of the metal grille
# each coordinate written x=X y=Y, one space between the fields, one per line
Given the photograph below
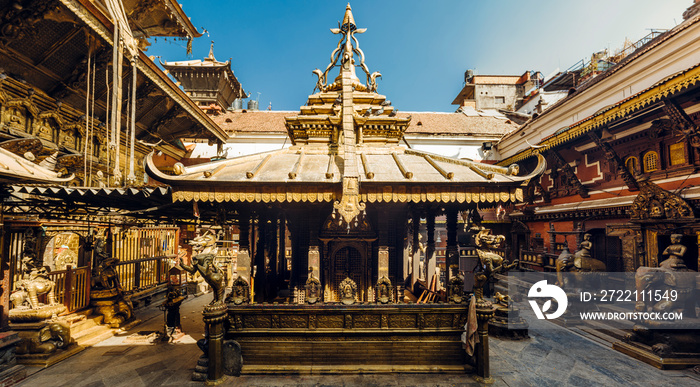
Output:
x=15 y=254
x=677 y=153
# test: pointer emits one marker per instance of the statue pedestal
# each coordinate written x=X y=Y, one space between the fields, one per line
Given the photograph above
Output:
x=44 y=343
x=43 y=312
x=484 y=313
x=507 y=323
x=212 y=362
x=664 y=348
x=10 y=371
x=111 y=304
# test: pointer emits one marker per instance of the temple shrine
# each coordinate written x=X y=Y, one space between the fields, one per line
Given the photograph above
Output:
x=351 y=197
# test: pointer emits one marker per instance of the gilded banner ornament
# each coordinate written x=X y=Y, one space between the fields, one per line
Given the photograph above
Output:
x=349 y=206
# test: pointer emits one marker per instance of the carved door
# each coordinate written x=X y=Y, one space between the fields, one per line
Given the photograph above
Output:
x=347 y=261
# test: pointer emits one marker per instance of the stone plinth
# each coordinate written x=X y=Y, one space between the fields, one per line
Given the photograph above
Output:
x=111 y=304
x=358 y=338
x=43 y=312
x=44 y=343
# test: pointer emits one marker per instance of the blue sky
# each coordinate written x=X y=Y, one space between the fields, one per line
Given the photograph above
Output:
x=422 y=48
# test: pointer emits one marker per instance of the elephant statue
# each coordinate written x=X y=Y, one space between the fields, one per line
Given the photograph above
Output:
x=51 y=337
x=580 y=262
x=671 y=275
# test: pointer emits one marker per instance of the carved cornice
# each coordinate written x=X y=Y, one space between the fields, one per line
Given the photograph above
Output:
x=284 y=193
x=654 y=94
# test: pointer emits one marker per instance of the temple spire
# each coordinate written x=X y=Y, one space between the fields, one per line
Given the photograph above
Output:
x=211 y=58
x=348 y=47
x=348 y=20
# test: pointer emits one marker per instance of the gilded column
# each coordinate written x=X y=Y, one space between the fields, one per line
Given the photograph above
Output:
x=415 y=253
x=452 y=251
x=430 y=250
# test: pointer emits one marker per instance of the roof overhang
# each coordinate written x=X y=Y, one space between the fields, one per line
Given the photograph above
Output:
x=467 y=92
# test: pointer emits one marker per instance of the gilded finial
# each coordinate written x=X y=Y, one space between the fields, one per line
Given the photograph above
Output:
x=348 y=20
x=211 y=52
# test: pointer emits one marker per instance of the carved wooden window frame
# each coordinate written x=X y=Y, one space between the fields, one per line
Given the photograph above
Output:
x=632 y=164
x=651 y=161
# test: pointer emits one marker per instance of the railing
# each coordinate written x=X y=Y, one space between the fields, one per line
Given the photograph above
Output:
x=537 y=260
x=140 y=243
x=72 y=287
x=143 y=273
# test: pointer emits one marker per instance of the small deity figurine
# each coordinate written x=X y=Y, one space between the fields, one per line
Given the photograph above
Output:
x=675 y=253
x=502 y=299
x=313 y=288
x=348 y=290
x=585 y=247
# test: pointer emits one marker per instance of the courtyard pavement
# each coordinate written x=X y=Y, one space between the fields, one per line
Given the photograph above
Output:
x=551 y=357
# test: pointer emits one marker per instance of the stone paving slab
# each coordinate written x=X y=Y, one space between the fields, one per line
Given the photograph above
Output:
x=551 y=357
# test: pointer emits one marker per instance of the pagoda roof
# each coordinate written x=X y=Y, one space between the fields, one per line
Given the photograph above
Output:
x=14 y=168
x=345 y=150
x=316 y=171
x=159 y=18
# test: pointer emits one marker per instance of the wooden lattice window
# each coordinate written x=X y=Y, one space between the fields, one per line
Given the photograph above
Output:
x=631 y=165
x=651 y=161
x=677 y=153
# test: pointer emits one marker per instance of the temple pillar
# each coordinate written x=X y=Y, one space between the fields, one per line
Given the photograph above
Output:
x=214 y=317
x=452 y=251
x=260 y=257
x=652 y=248
x=273 y=252
x=415 y=253
x=430 y=250
x=314 y=255
x=282 y=246
x=314 y=261
x=243 y=260
x=484 y=313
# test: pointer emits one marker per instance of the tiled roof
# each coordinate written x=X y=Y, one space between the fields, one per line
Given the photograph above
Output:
x=421 y=123
x=261 y=121
x=457 y=124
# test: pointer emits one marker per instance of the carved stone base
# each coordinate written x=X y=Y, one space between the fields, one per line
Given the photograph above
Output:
x=508 y=324
x=33 y=350
x=663 y=348
x=47 y=360
x=200 y=371
x=44 y=312
x=646 y=354
x=111 y=304
x=358 y=338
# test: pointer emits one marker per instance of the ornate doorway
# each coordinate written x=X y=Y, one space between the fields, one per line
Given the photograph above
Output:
x=347 y=261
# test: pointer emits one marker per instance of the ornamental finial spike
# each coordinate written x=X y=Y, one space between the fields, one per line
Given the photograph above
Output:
x=348 y=20
x=211 y=53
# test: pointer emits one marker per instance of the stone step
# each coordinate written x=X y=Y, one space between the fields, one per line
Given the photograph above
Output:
x=92 y=335
x=88 y=322
x=616 y=334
